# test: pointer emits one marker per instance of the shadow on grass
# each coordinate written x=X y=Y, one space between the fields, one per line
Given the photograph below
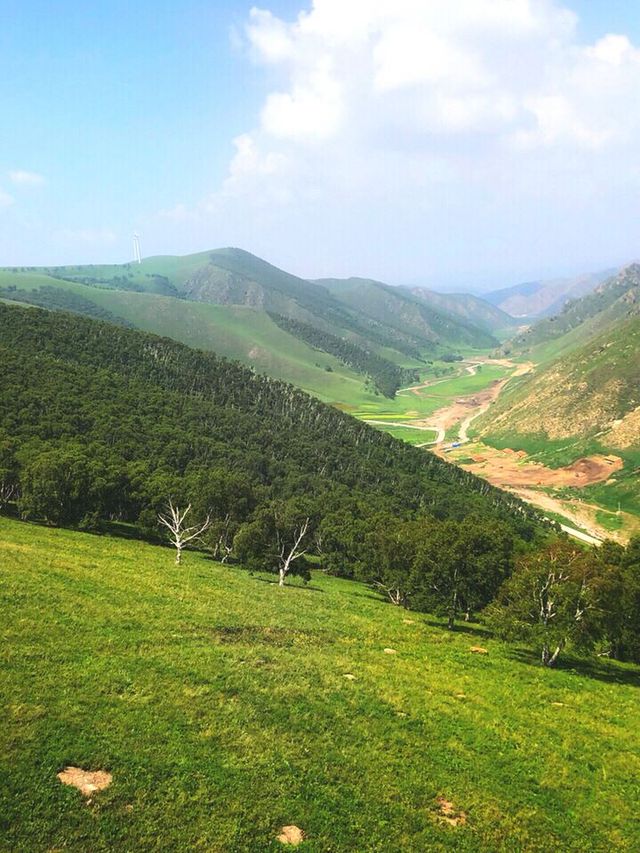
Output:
x=600 y=669
x=298 y=586
x=472 y=630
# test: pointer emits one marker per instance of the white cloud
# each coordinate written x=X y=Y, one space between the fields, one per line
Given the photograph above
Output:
x=20 y=177
x=439 y=122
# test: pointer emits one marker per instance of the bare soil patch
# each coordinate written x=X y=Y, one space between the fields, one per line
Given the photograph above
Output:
x=508 y=469
x=86 y=781
x=448 y=813
x=291 y=834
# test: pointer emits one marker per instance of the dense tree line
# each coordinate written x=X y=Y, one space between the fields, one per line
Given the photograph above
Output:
x=129 y=417
x=56 y=299
x=568 y=596
x=386 y=376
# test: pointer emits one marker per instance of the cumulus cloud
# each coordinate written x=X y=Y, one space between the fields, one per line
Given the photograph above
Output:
x=21 y=177
x=418 y=120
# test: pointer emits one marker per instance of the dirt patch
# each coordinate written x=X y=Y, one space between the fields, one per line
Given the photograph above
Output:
x=291 y=834
x=448 y=813
x=86 y=781
x=508 y=469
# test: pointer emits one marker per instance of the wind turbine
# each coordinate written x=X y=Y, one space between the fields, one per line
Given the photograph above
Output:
x=136 y=247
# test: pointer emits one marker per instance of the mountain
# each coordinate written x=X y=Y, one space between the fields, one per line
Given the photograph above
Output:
x=582 y=319
x=590 y=392
x=236 y=304
x=583 y=396
x=470 y=308
x=408 y=312
x=544 y=298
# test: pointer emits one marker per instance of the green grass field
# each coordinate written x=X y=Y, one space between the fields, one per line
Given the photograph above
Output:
x=411 y=436
x=220 y=705
x=408 y=406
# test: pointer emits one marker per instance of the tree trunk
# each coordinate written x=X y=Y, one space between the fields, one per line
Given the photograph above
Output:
x=549 y=659
x=452 y=611
x=178 y=555
x=283 y=574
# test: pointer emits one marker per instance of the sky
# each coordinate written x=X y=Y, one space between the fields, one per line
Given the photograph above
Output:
x=460 y=144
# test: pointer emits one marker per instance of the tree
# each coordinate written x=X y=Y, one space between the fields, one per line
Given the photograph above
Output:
x=621 y=599
x=390 y=550
x=8 y=472
x=277 y=539
x=180 y=534
x=56 y=485
x=551 y=600
x=459 y=566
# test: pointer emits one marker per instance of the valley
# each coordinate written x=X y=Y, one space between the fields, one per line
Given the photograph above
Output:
x=448 y=372
x=447 y=430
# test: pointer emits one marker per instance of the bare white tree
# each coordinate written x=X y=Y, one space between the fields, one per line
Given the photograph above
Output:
x=289 y=549
x=174 y=521
x=8 y=491
x=220 y=539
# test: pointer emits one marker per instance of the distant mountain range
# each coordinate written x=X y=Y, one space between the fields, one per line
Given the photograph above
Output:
x=545 y=298
x=336 y=339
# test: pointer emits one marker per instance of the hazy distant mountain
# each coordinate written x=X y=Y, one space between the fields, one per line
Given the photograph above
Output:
x=581 y=319
x=473 y=309
x=544 y=298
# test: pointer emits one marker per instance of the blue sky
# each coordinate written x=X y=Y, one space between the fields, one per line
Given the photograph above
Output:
x=503 y=157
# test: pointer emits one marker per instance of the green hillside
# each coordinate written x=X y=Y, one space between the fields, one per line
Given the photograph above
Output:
x=407 y=313
x=238 y=305
x=586 y=401
x=581 y=319
x=226 y=708
x=470 y=308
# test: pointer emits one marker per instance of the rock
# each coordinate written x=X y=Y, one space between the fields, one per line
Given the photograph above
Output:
x=478 y=650
x=390 y=652
x=291 y=834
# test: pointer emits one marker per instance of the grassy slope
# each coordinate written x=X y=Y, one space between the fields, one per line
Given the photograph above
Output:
x=233 y=331
x=582 y=319
x=220 y=705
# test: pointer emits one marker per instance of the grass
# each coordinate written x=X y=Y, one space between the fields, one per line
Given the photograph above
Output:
x=411 y=436
x=410 y=405
x=219 y=703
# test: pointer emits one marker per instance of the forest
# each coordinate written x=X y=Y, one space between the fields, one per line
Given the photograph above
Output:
x=107 y=428
x=386 y=376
